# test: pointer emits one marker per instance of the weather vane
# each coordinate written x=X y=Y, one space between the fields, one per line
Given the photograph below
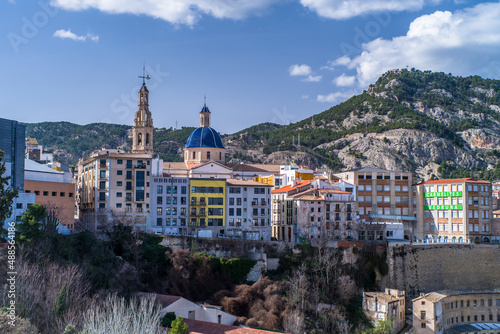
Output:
x=144 y=77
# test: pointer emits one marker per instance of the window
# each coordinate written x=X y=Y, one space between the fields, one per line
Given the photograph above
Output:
x=54 y=193
x=118 y=194
x=119 y=162
x=379 y=188
x=423 y=325
x=368 y=188
x=129 y=175
x=159 y=189
x=118 y=205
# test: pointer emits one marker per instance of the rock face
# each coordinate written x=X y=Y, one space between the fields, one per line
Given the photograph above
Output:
x=400 y=149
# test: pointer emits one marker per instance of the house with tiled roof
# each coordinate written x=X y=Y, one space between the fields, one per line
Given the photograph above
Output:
x=190 y=310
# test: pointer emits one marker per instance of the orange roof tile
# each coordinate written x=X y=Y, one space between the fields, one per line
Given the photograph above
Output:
x=204 y=327
x=290 y=187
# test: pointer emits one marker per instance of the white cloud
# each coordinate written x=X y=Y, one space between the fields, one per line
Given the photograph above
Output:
x=334 y=97
x=465 y=42
x=304 y=71
x=345 y=80
x=312 y=78
x=299 y=70
x=305 y=96
x=344 y=9
x=174 y=11
x=70 y=35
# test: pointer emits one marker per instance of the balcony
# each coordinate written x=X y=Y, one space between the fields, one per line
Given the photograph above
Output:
x=128 y=198
x=200 y=203
x=256 y=203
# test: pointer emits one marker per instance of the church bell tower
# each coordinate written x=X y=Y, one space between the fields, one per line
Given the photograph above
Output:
x=142 y=130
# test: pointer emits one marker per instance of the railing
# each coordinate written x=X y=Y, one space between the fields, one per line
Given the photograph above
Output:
x=193 y=203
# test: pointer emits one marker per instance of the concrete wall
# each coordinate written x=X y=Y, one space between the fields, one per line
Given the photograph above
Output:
x=225 y=247
x=419 y=269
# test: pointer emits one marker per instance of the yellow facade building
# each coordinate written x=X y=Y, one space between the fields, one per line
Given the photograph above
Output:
x=207 y=206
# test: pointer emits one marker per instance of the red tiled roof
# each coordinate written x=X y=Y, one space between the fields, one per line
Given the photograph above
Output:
x=290 y=187
x=334 y=191
x=164 y=300
x=204 y=327
x=453 y=181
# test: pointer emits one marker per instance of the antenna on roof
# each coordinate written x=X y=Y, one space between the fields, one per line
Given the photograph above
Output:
x=144 y=77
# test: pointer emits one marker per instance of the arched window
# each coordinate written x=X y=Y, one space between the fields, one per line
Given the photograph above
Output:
x=220 y=155
x=139 y=139
x=147 y=138
x=208 y=155
x=194 y=155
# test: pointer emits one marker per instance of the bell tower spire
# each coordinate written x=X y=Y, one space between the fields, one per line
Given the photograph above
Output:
x=205 y=115
x=142 y=130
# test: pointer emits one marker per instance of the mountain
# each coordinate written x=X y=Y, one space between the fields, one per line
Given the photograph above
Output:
x=433 y=124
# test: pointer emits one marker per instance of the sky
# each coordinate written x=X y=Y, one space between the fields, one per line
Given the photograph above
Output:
x=255 y=60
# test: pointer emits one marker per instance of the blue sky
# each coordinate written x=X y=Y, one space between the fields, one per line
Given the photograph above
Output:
x=255 y=60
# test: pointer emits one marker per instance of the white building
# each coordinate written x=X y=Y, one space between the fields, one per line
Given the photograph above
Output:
x=190 y=310
x=248 y=209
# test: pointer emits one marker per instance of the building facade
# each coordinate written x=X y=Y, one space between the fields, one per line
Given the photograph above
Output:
x=12 y=144
x=386 y=306
x=53 y=189
x=326 y=214
x=248 y=209
x=170 y=204
x=113 y=187
x=207 y=207
x=440 y=312
x=454 y=210
x=384 y=196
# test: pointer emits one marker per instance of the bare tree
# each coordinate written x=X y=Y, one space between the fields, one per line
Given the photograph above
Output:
x=117 y=316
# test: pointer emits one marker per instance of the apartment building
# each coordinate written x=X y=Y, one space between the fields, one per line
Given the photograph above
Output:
x=169 y=205
x=207 y=207
x=445 y=311
x=12 y=144
x=53 y=189
x=327 y=214
x=454 y=210
x=384 y=196
x=248 y=209
x=113 y=187
x=387 y=305
x=283 y=225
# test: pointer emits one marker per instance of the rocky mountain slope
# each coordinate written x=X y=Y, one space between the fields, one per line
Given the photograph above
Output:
x=430 y=123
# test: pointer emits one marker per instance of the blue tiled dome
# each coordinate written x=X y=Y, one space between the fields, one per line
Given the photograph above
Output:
x=204 y=137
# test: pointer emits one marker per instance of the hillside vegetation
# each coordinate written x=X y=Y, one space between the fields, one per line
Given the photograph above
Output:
x=407 y=120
